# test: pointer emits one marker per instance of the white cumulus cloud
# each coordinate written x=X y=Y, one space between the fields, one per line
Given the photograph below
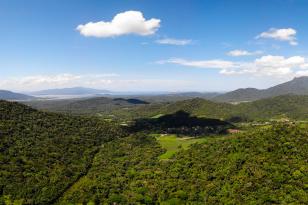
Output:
x=172 y=41
x=284 y=34
x=128 y=22
x=237 y=53
x=276 y=66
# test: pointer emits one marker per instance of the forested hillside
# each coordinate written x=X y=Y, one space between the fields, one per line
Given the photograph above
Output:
x=42 y=154
x=291 y=106
x=266 y=166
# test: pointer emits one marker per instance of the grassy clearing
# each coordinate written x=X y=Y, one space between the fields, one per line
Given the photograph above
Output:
x=173 y=144
x=157 y=116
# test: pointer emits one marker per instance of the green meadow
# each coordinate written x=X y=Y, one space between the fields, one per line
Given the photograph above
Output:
x=173 y=144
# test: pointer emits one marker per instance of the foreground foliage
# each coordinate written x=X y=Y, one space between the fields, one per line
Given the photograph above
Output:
x=42 y=154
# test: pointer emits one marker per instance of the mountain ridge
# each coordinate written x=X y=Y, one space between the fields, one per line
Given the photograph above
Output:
x=297 y=86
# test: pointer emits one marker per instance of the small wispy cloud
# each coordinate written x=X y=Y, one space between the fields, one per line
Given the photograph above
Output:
x=238 y=53
x=128 y=22
x=220 y=64
x=173 y=41
x=284 y=34
x=275 y=66
x=108 y=81
x=57 y=81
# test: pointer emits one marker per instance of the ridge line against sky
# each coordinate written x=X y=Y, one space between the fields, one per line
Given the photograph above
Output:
x=134 y=46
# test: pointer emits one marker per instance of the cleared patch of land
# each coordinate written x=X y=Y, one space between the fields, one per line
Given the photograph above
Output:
x=173 y=144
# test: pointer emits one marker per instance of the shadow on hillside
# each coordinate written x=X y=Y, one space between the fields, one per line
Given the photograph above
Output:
x=181 y=123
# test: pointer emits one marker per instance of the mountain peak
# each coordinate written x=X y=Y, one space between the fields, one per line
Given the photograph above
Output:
x=297 y=86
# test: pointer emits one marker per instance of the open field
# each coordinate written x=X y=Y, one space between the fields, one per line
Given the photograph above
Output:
x=173 y=144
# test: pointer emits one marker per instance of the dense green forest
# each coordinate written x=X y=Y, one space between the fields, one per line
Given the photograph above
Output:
x=52 y=158
x=262 y=167
x=42 y=154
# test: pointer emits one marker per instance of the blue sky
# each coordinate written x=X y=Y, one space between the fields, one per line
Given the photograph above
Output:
x=209 y=45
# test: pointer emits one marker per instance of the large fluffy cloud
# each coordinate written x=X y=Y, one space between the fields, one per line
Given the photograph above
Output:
x=285 y=34
x=128 y=22
x=275 y=66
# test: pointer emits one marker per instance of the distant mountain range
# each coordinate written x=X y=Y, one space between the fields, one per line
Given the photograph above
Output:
x=297 y=86
x=86 y=106
x=8 y=95
x=71 y=91
x=291 y=106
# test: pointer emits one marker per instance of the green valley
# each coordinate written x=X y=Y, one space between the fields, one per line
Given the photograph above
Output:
x=49 y=158
x=177 y=102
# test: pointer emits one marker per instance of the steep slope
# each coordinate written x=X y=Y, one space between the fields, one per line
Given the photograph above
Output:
x=240 y=95
x=42 y=154
x=297 y=86
x=8 y=95
x=291 y=106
